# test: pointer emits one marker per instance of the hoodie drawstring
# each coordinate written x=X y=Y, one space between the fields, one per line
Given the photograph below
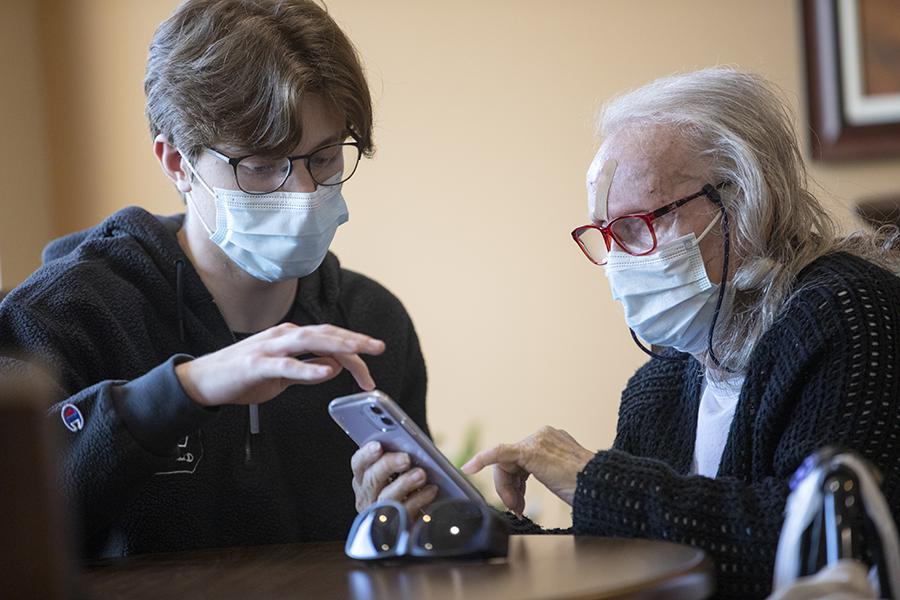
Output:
x=179 y=297
x=179 y=311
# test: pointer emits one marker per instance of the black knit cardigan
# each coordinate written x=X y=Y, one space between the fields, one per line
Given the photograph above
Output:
x=826 y=372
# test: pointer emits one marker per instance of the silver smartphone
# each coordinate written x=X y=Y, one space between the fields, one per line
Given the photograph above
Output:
x=373 y=416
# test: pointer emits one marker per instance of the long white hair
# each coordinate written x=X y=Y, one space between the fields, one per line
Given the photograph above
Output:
x=739 y=124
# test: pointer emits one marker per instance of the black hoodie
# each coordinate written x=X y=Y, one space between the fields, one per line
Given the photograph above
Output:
x=111 y=312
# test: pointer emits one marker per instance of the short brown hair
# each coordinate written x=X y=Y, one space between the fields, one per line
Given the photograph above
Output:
x=235 y=71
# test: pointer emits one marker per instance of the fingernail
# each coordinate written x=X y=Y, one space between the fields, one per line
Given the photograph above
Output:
x=323 y=370
x=373 y=447
x=431 y=489
x=404 y=461
x=418 y=475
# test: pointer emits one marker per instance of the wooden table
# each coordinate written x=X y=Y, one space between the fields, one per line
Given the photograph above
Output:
x=538 y=566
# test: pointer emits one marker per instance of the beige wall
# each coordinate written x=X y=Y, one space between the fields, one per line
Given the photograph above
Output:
x=25 y=204
x=484 y=130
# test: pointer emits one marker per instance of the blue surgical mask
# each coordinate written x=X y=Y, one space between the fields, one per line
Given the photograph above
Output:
x=276 y=236
x=667 y=296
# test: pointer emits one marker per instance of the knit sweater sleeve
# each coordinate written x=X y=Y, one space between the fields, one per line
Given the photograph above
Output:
x=826 y=373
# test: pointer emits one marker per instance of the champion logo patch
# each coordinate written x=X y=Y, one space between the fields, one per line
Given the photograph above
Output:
x=72 y=417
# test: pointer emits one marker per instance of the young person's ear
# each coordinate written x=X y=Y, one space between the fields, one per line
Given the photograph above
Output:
x=172 y=164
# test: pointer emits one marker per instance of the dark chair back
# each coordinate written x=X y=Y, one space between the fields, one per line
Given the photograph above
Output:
x=36 y=552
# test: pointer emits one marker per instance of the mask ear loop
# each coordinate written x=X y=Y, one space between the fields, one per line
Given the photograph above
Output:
x=712 y=193
x=190 y=196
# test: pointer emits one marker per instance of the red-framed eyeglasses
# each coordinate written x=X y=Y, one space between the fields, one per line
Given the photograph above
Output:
x=632 y=233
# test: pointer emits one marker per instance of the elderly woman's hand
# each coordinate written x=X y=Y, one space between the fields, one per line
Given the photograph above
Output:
x=387 y=476
x=551 y=455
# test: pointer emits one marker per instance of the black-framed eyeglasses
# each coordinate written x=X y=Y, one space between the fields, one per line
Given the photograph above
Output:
x=450 y=528
x=329 y=165
x=635 y=233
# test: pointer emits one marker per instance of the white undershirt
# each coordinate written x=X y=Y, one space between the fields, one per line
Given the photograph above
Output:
x=718 y=400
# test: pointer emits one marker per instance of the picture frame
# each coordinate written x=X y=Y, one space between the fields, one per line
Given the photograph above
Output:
x=853 y=87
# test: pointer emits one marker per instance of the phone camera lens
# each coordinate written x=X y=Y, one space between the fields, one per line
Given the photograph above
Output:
x=376 y=410
x=386 y=421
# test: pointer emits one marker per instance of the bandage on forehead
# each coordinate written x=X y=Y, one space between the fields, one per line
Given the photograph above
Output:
x=599 y=180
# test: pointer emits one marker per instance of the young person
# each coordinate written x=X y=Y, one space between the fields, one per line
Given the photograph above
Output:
x=176 y=342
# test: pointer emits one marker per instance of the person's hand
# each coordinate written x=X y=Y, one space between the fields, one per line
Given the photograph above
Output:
x=551 y=455
x=379 y=475
x=260 y=367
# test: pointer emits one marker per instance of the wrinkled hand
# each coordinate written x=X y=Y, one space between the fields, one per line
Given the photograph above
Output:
x=372 y=472
x=551 y=455
x=262 y=366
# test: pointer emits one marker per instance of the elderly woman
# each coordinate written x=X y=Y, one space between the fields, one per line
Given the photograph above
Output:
x=775 y=335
